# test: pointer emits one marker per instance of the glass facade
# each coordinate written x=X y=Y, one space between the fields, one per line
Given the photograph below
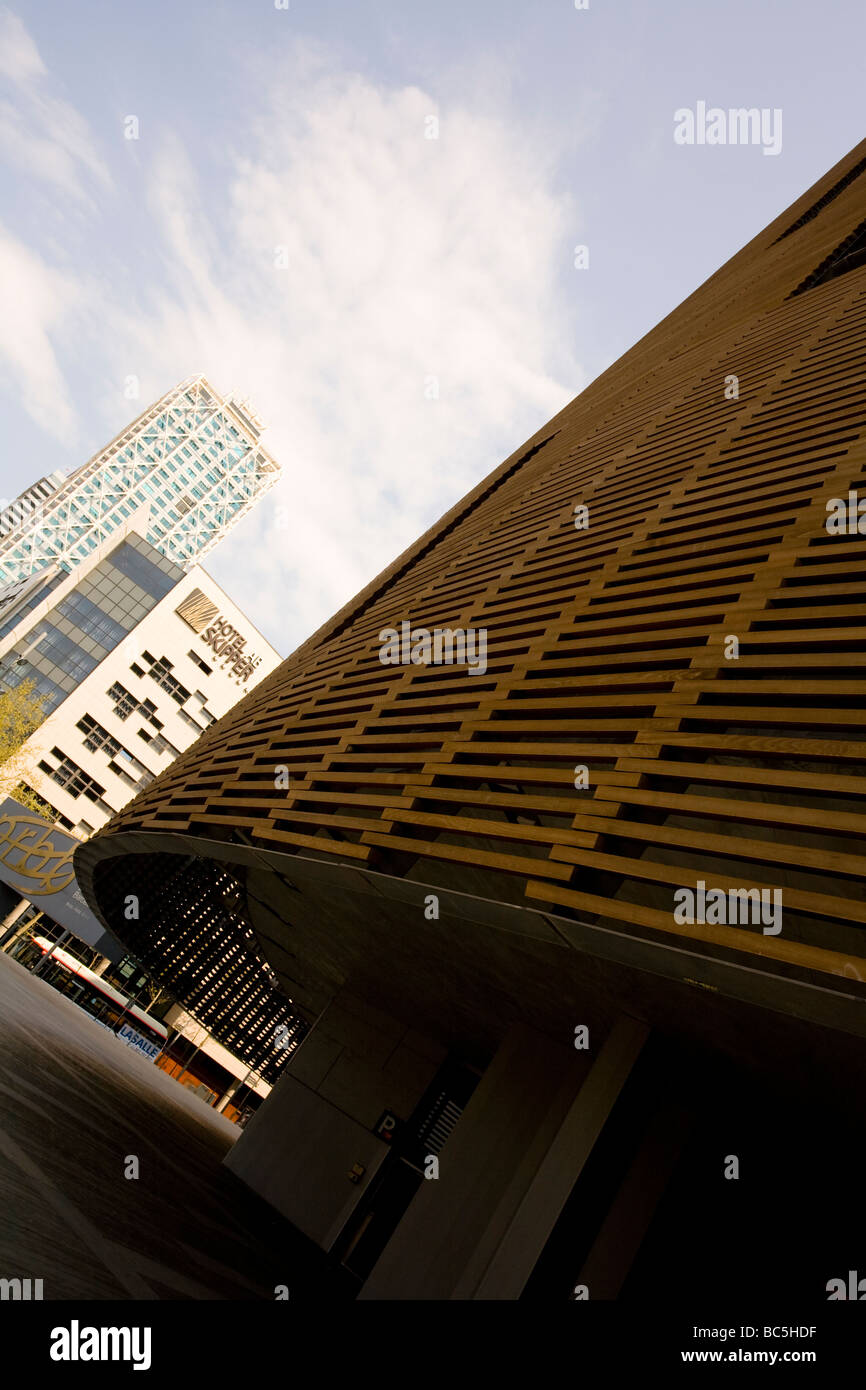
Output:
x=91 y=620
x=193 y=460
x=147 y=576
x=63 y=647
x=17 y=611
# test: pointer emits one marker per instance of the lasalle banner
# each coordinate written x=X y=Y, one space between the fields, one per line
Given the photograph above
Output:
x=36 y=861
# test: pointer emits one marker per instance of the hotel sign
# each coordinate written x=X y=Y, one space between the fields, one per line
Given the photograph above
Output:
x=230 y=646
x=225 y=641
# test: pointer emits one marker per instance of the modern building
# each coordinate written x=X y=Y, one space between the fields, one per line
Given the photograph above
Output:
x=134 y=658
x=51 y=930
x=133 y=651
x=577 y=929
x=115 y=995
x=193 y=459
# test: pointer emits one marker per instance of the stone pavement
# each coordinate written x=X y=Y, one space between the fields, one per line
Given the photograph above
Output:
x=75 y=1103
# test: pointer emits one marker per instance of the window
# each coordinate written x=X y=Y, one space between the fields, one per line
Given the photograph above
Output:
x=44 y=689
x=61 y=651
x=160 y=671
x=123 y=774
x=204 y=711
x=159 y=743
x=202 y=665
x=33 y=602
x=48 y=811
x=142 y=571
x=98 y=740
x=91 y=620
x=72 y=778
x=125 y=704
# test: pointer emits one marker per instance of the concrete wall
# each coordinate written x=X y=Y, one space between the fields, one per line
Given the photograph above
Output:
x=506 y=1171
x=299 y=1148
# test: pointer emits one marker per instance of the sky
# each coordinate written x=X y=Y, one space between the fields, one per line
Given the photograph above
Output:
x=363 y=217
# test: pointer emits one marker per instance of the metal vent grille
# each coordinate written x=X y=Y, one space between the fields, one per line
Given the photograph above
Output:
x=828 y=197
x=850 y=254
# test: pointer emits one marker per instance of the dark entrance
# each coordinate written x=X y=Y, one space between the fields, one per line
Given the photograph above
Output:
x=376 y=1217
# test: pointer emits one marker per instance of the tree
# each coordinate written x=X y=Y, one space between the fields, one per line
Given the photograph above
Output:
x=154 y=992
x=21 y=713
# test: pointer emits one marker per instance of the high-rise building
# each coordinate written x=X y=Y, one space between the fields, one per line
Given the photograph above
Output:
x=130 y=647
x=555 y=835
x=193 y=461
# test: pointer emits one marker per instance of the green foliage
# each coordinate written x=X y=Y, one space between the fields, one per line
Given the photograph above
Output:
x=21 y=713
x=33 y=801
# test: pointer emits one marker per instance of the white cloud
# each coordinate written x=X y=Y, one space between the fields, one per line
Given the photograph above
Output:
x=40 y=133
x=19 y=56
x=38 y=302
x=408 y=259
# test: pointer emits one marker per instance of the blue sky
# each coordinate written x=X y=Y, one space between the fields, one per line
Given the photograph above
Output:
x=426 y=315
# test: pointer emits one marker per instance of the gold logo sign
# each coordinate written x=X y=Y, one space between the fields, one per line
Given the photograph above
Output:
x=28 y=851
x=196 y=609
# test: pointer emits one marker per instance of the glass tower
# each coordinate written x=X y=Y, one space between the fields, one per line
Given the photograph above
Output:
x=191 y=465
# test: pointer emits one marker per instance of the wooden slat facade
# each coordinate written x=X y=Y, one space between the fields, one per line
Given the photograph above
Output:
x=607 y=646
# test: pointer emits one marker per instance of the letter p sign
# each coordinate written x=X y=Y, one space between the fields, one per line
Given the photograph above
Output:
x=386 y=1126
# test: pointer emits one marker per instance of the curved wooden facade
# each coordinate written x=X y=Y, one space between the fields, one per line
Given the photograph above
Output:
x=609 y=648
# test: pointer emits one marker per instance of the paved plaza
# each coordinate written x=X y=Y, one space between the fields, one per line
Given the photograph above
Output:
x=75 y=1105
